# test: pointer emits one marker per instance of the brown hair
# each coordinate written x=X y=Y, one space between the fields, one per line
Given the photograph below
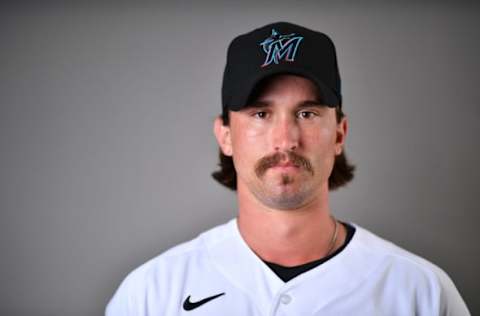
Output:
x=342 y=171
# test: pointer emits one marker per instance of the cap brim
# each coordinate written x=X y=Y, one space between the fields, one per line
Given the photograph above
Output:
x=243 y=93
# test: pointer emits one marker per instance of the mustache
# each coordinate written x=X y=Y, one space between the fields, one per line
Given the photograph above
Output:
x=271 y=161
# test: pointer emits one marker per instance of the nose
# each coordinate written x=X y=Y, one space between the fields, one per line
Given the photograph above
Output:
x=285 y=134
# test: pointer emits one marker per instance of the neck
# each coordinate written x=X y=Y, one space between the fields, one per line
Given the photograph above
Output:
x=288 y=237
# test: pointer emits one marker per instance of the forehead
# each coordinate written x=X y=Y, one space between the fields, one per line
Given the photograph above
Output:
x=280 y=85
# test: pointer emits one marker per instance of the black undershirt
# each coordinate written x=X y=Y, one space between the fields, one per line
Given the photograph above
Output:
x=288 y=273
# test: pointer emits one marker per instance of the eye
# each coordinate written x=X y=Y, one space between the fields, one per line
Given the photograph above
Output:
x=306 y=114
x=260 y=114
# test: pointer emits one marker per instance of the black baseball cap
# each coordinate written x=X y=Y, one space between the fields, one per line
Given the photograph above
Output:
x=279 y=48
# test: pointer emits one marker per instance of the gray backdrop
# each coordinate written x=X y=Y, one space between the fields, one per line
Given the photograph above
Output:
x=107 y=146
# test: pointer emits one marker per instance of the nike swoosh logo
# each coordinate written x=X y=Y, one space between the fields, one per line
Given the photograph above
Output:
x=188 y=306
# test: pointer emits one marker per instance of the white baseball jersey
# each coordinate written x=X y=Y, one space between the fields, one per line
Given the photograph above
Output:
x=218 y=274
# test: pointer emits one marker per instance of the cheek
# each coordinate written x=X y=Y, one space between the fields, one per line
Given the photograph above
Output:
x=321 y=138
x=248 y=140
x=254 y=132
x=320 y=148
x=247 y=148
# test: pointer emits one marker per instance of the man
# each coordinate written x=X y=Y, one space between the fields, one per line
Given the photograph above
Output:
x=281 y=136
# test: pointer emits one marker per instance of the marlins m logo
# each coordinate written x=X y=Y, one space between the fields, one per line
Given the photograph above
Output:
x=278 y=47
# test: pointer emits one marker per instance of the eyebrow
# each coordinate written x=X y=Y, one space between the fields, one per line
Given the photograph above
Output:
x=310 y=103
x=303 y=104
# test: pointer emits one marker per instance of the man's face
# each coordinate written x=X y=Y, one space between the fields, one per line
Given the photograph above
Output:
x=283 y=144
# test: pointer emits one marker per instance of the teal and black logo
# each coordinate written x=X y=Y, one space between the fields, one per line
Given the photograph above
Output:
x=278 y=47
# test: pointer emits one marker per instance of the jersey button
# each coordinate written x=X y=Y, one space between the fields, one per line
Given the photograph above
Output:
x=285 y=299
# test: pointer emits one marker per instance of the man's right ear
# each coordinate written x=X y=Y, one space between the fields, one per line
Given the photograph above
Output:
x=222 y=133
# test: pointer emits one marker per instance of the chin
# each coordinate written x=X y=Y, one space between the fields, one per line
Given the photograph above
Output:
x=286 y=201
x=285 y=197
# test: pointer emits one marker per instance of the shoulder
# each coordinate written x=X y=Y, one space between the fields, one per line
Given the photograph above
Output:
x=397 y=267
x=156 y=276
x=391 y=254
